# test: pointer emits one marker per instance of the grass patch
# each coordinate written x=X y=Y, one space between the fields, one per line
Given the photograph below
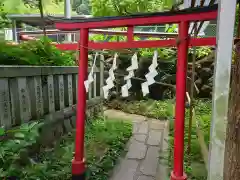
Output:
x=197 y=169
x=149 y=108
x=104 y=143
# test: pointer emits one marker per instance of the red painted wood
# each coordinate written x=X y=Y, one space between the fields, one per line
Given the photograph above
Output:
x=130 y=36
x=78 y=163
x=178 y=171
x=205 y=16
x=211 y=41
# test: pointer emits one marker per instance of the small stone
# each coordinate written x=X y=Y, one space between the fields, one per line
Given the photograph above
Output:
x=162 y=173
x=47 y=136
x=67 y=125
x=154 y=138
x=129 y=143
x=165 y=145
x=58 y=131
x=157 y=125
x=115 y=114
x=73 y=121
x=137 y=118
x=166 y=124
x=143 y=129
x=150 y=163
x=199 y=169
x=145 y=178
x=140 y=137
x=136 y=127
x=137 y=150
x=127 y=170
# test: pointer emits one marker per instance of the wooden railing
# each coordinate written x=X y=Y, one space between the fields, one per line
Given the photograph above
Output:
x=32 y=92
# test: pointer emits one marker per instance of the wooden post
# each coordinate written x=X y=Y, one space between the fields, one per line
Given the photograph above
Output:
x=101 y=74
x=68 y=90
x=226 y=18
x=51 y=101
x=5 y=108
x=36 y=96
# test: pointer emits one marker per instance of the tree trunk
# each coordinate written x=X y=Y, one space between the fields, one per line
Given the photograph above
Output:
x=232 y=146
x=40 y=6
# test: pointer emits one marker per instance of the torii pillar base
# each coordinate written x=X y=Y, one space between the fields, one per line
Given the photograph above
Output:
x=174 y=177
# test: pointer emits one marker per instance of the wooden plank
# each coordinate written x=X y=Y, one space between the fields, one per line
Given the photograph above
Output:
x=76 y=80
x=95 y=85
x=68 y=86
x=36 y=96
x=24 y=99
x=59 y=92
x=51 y=97
x=5 y=108
x=74 y=87
x=101 y=74
x=15 y=109
x=203 y=146
x=90 y=92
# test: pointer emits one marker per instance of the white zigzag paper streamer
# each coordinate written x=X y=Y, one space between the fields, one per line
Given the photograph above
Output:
x=130 y=69
x=150 y=75
x=90 y=78
x=111 y=77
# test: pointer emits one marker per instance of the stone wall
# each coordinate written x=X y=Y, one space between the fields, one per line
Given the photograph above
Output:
x=38 y=92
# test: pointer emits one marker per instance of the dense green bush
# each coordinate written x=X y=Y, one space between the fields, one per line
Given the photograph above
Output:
x=40 y=52
x=104 y=143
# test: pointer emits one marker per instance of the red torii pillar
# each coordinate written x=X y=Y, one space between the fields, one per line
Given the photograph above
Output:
x=78 y=163
x=182 y=53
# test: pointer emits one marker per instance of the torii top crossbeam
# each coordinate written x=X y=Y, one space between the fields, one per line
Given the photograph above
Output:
x=187 y=15
x=182 y=18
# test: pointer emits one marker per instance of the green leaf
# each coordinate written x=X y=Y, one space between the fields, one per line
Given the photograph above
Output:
x=2 y=131
x=19 y=135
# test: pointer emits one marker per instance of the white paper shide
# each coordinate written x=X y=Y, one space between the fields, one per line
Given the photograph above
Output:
x=110 y=80
x=130 y=69
x=90 y=78
x=150 y=75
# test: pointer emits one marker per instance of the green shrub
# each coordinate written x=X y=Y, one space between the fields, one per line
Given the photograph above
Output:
x=104 y=143
x=40 y=52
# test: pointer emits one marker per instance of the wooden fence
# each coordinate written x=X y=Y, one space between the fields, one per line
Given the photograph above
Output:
x=32 y=92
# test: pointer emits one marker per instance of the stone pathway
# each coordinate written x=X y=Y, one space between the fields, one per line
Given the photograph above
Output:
x=146 y=146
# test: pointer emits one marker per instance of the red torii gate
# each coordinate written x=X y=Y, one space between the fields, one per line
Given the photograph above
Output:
x=182 y=18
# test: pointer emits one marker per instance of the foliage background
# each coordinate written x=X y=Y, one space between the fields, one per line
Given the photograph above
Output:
x=40 y=52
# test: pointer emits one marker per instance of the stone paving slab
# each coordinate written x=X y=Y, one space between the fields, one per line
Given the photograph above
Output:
x=136 y=126
x=140 y=137
x=145 y=178
x=154 y=138
x=150 y=164
x=137 y=150
x=111 y=113
x=156 y=124
x=127 y=170
x=142 y=159
x=143 y=128
x=162 y=173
